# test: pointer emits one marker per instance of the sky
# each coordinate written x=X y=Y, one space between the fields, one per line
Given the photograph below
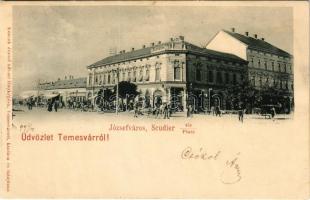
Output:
x=51 y=42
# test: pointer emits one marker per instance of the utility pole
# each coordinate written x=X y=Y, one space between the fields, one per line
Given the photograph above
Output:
x=210 y=99
x=38 y=92
x=117 y=81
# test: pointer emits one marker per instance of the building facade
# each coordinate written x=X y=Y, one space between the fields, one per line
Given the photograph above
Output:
x=68 y=88
x=175 y=71
x=268 y=66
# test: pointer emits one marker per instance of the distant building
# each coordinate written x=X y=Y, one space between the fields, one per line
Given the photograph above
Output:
x=73 y=88
x=171 y=71
x=268 y=66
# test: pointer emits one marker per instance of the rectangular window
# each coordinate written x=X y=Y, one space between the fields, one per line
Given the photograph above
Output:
x=198 y=74
x=134 y=78
x=177 y=71
x=219 y=79
x=141 y=75
x=157 y=74
x=129 y=76
x=234 y=79
x=147 y=75
x=211 y=78
x=226 y=78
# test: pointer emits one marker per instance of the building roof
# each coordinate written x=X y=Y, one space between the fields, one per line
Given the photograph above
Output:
x=65 y=84
x=148 y=51
x=124 y=56
x=258 y=44
x=213 y=53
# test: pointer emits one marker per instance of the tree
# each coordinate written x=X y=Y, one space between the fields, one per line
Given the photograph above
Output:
x=126 y=88
x=243 y=94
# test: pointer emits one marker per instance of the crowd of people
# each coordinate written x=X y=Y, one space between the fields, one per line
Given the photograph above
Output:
x=159 y=110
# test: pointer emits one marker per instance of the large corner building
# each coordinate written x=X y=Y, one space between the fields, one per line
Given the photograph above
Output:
x=175 y=70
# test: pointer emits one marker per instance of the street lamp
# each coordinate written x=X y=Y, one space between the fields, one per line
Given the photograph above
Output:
x=210 y=89
x=117 y=76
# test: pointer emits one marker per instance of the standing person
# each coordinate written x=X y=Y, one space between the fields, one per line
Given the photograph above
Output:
x=217 y=111
x=169 y=110
x=136 y=110
x=189 y=111
x=166 y=113
x=240 y=114
x=212 y=110
x=56 y=105
x=49 y=105
x=157 y=110
x=273 y=112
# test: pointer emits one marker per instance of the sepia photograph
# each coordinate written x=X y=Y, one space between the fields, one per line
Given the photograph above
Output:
x=154 y=62
x=154 y=99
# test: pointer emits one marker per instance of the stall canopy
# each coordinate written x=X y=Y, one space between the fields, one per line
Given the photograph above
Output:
x=51 y=95
x=28 y=94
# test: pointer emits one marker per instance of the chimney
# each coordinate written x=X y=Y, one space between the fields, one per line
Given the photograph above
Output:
x=247 y=33
x=152 y=44
x=58 y=79
x=132 y=49
x=233 y=30
x=143 y=46
x=120 y=52
x=255 y=36
x=171 y=39
x=159 y=42
x=263 y=39
x=181 y=37
x=124 y=51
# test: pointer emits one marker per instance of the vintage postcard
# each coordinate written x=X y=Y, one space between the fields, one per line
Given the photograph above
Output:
x=154 y=99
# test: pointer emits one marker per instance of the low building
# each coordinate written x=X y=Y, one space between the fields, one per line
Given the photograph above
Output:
x=68 y=88
x=175 y=71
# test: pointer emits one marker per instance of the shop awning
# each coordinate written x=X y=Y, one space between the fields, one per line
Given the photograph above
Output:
x=49 y=96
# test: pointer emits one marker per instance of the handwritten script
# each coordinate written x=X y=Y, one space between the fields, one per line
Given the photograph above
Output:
x=230 y=167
